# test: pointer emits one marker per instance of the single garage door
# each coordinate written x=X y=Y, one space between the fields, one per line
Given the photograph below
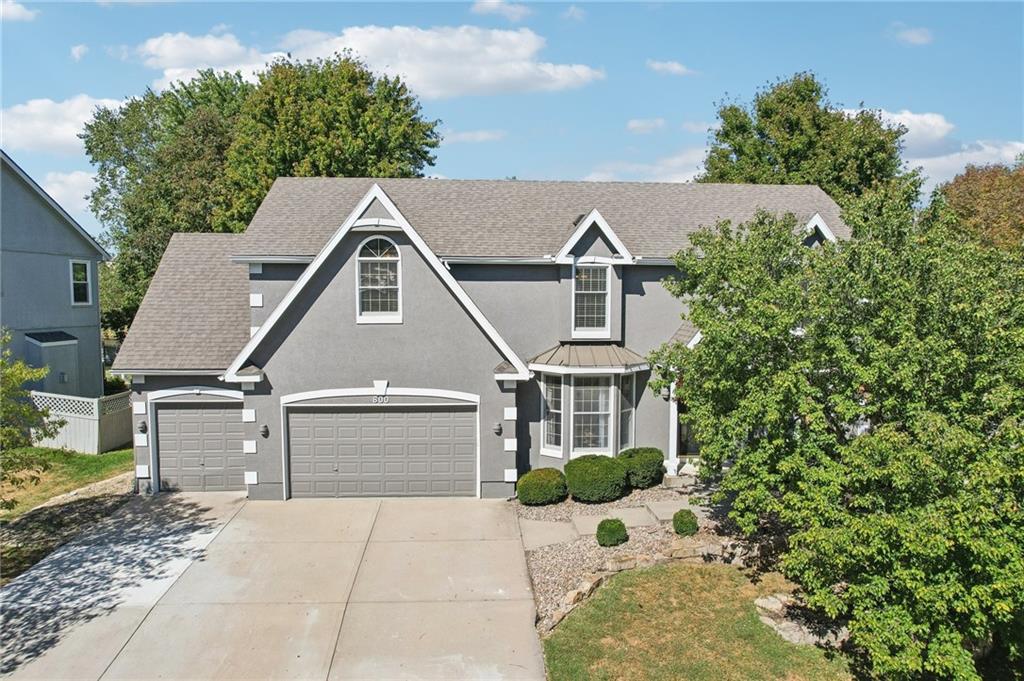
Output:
x=200 y=447
x=382 y=452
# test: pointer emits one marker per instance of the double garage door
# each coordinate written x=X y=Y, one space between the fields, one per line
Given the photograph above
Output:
x=200 y=447
x=390 y=451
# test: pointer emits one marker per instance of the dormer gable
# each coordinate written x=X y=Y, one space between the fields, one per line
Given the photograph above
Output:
x=593 y=237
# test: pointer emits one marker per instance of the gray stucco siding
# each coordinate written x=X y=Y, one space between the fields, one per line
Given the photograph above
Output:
x=273 y=284
x=317 y=345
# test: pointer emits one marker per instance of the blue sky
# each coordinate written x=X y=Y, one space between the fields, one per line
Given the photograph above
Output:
x=539 y=91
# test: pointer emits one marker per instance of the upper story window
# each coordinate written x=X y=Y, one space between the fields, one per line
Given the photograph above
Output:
x=81 y=284
x=379 y=282
x=590 y=301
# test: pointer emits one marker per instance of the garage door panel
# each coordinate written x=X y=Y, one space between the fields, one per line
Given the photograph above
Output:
x=200 y=448
x=393 y=452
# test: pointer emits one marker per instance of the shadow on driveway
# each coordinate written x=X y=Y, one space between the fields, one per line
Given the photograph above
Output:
x=128 y=558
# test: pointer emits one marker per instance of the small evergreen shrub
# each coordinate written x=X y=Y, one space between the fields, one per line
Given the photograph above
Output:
x=645 y=466
x=611 y=532
x=684 y=522
x=541 y=486
x=594 y=478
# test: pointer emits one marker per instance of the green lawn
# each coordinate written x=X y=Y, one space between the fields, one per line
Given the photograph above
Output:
x=68 y=471
x=680 y=621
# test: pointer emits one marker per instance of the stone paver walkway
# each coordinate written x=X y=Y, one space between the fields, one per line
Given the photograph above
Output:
x=538 y=533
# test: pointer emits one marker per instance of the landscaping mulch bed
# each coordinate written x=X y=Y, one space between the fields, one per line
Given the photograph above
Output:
x=557 y=569
x=568 y=508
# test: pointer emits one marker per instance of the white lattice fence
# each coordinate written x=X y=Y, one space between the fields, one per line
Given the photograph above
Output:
x=92 y=425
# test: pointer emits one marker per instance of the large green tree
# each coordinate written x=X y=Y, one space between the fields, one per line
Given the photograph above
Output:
x=160 y=162
x=869 y=398
x=793 y=134
x=201 y=155
x=328 y=117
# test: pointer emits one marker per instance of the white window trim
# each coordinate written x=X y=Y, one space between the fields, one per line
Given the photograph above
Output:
x=632 y=421
x=575 y=451
x=394 y=318
x=606 y=331
x=88 y=281
x=545 y=448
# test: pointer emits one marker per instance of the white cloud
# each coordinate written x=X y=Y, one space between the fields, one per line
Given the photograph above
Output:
x=14 y=11
x=910 y=35
x=46 y=125
x=574 y=13
x=682 y=166
x=642 y=126
x=927 y=133
x=943 y=168
x=79 y=51
x=699 y=126
x=70 y=189
x=181 y=56
x=474 y=136
x=511 y=11
x=671 y=68
x=449 y=61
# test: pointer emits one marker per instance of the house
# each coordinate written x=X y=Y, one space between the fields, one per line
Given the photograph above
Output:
x=420 y=337
x=49 y=294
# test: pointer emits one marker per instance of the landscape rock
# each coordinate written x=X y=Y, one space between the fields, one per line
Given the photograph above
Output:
x=620 y=563
x=573 y=597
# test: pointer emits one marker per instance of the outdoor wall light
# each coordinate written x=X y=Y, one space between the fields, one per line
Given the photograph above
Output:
x=265 y=430
x=142 y=426
x=497 y=428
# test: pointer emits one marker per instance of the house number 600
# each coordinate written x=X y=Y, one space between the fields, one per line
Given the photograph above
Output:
x=381 y=399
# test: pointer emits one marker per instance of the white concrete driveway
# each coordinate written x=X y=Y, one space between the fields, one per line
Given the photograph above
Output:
x=210 y=586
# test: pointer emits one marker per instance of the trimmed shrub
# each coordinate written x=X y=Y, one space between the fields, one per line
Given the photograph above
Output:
x=611 y=532
x=645 y=466
x=595 y=478
x=541 y=486
x=684 y=522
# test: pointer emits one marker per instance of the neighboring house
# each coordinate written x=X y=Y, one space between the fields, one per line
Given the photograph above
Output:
x=49 y=293
x=420 y=337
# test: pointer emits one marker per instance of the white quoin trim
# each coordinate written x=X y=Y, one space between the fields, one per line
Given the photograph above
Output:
x=818 y=223
x=168 y=396
x=376 y=193
x=593 y=218
x=290 y=400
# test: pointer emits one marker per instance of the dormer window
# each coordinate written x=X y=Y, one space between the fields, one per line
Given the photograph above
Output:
x=379 y=289
x=590 y=301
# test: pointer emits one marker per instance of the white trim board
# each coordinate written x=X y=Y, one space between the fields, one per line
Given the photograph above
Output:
x=375 y=192
x=592 y=218
x=818 y=223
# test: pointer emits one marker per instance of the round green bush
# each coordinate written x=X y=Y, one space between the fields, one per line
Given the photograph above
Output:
x=684 y=522
x=541 y=486
x=645 y=466
x=611 y=532
x=596 y=478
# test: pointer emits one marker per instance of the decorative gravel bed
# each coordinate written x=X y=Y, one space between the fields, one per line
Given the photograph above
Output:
x=558 y=568
x=567 y=509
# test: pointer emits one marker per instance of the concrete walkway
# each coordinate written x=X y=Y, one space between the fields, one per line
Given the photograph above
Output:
x=210 y=586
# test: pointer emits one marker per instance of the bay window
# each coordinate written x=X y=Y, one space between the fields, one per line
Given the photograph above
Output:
x=627 y=403
x=591 y=413
x=552 y=414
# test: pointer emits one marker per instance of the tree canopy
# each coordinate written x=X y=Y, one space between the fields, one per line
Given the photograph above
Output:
x=200 y=156
x=868 y=398
x=988 y=202
x=792 y=134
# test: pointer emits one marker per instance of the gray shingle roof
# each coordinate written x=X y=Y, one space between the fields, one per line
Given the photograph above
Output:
x=196 y=312
x=517 y=218
x=589 y=355
x=685 y=332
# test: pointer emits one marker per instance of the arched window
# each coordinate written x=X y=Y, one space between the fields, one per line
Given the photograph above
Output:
x=379 y=284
